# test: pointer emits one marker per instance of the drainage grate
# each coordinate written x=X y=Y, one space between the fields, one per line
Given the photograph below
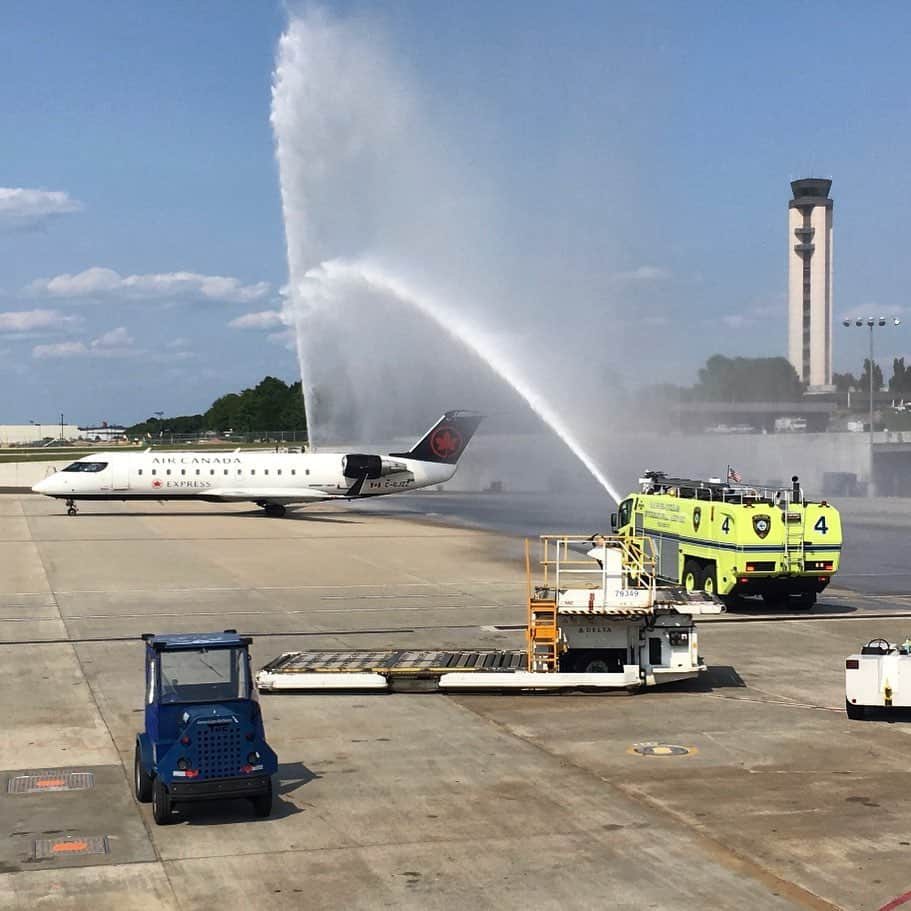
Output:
x=54 y=780
x=78 y=845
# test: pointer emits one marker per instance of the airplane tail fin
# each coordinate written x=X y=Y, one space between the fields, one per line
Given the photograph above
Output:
x=446 y=440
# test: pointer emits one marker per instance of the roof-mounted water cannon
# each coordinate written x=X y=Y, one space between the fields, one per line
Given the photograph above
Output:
x=649 y=479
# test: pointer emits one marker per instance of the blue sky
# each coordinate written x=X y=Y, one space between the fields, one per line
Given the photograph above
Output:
x=638 y=156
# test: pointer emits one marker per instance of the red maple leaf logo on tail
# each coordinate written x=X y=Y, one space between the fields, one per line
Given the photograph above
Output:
x=446 y=442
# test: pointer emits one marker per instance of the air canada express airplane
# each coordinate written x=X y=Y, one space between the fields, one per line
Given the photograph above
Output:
x=272 y=480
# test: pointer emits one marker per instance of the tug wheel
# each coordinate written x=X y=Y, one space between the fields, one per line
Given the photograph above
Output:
x=161 y=803
x=262 y=803
x=855 y=712
x=142 y=781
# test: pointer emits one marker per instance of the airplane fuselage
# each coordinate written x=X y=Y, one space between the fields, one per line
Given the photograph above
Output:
x=252 y=475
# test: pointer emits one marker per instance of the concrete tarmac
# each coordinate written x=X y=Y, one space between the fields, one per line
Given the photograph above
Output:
x=424 y=801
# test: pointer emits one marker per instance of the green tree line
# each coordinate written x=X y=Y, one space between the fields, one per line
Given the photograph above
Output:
x=270 y=405
x=768 y=379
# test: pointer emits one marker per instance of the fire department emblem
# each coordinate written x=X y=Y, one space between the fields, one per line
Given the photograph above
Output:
x=762 y=525
x=697 y=518
x=446 y=442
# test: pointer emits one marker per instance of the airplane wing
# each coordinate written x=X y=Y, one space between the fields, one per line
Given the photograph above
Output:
x=281 y=495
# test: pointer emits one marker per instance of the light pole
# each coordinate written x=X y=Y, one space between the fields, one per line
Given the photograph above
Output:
x=870 y=322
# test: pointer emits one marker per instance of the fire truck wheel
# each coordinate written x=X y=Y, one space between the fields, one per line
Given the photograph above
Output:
x=855 y=712
x=692 y=576
x=161 y=803
x=142 y=781
x=806 y=599
x=709 y=583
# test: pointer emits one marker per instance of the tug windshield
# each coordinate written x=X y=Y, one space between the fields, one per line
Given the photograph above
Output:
x=196 y=675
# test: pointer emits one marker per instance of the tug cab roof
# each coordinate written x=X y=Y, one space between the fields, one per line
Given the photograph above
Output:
x=194 y=641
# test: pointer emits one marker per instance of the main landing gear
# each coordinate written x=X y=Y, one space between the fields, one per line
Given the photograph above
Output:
x=274 y=510
x=71 y=507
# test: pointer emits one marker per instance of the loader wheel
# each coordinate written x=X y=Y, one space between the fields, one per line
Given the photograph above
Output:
x=142 y=781
x=709 y=583
x=592 y=663
x=262 y=803
x=161 y=803
x=692 y=575
x=855 y=712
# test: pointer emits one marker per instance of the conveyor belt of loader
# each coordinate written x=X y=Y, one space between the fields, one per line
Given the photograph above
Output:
x=407 y=670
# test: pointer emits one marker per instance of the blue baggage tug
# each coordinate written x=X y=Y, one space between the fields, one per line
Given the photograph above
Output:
x=203 y=737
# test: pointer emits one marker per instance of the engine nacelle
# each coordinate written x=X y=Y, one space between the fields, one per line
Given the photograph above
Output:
x=359 y=465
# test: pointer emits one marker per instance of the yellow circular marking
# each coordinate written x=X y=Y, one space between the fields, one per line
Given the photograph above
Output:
x=653 y=748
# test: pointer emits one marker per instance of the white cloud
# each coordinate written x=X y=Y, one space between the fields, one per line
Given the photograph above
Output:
x=19 y=203
x=265 y=319
x=114 y=343
x=116 y=338
x=32 y=320
x=101 y=282
x=643 y=274
x=63 y=349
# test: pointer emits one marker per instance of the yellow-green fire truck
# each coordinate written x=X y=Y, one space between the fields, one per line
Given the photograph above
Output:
x=736 y=540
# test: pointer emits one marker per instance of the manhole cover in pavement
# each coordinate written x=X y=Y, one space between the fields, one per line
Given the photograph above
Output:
x=46 y=848
x=661 y=749
x=38 y=782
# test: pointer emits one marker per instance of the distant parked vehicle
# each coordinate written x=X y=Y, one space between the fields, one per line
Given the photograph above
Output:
x=790 y=425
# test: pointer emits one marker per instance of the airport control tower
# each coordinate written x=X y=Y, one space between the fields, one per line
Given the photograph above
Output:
x=810 y=282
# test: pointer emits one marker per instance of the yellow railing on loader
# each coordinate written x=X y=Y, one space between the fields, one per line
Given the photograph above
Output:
x=565 y=563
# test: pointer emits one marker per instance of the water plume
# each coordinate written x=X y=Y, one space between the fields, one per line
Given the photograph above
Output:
x=386 y=228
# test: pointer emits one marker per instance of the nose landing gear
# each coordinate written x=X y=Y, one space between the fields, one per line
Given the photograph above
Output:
x=71 y=508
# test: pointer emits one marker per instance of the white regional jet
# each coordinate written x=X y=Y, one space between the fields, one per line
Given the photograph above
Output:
x=272 y=480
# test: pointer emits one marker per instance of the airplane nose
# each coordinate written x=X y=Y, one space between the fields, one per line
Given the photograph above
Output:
x=41 y=486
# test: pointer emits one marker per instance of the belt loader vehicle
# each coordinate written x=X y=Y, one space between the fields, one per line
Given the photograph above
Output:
x=596 y=620
x=203 y=737
x=878 y=677
x=736 y=540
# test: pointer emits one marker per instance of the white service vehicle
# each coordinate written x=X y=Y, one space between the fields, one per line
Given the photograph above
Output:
x=596 y=620
x=878 y=677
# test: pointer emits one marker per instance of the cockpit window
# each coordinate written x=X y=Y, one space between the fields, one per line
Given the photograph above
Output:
x=86 y=466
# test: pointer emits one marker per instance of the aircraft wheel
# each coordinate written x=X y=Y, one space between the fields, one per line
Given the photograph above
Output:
x=71 y=511
x=275 y=510
x=142 y=781
x=161 y=803
x=262 y=803
x=855 y=712
x=691 y=575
